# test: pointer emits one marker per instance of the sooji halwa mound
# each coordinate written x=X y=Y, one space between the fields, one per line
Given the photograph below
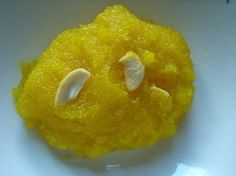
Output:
x=117 y=83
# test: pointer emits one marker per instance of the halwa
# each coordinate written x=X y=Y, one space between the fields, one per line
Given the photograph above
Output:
x=121 y=105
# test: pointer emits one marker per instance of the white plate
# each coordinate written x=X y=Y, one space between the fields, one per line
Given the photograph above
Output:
x=207 y=137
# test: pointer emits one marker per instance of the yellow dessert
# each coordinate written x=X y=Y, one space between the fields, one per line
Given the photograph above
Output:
x=136 y=84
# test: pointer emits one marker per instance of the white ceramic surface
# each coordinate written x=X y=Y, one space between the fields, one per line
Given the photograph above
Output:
x=206 y=140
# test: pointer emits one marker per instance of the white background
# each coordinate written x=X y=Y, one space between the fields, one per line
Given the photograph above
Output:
x=206 y=138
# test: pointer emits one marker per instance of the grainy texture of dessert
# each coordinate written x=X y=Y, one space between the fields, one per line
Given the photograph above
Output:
x=105 y=116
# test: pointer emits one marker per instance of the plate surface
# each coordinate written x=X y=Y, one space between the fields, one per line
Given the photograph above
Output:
x=206 y=139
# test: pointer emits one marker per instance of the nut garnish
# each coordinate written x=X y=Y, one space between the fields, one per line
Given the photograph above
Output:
x=159 y=90
x=71 y=85
x=133 y=70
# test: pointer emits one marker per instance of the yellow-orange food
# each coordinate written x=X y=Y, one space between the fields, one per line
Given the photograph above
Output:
x=106 y=117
